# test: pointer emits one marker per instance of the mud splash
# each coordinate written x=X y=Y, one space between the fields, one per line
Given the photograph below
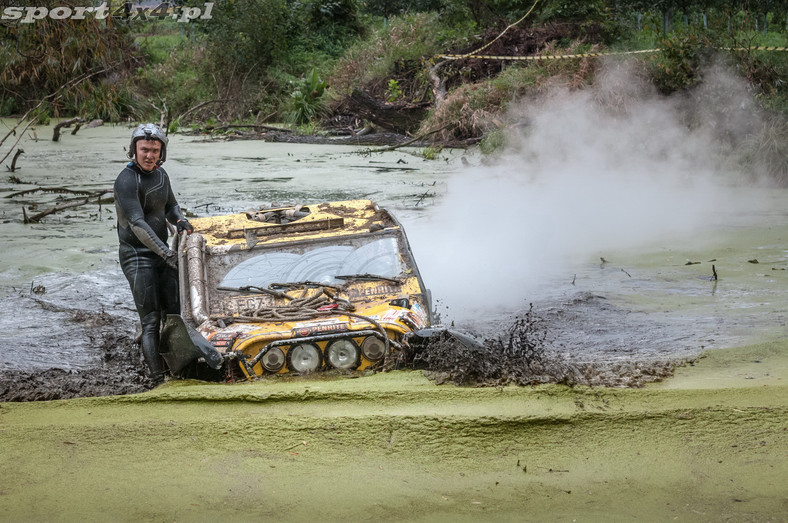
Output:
x=547 y=347
x=100 y=358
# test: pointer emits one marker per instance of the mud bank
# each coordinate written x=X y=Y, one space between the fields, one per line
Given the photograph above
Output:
x=706 y=445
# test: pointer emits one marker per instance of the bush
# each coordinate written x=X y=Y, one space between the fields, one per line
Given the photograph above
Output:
x=248 y=34
x=306 y=101
x=676 y=67
x=181 y=83
x=110 y=103
x=37 y=59
x=396 y=51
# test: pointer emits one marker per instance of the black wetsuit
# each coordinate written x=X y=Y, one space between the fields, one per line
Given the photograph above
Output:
x=144 y=202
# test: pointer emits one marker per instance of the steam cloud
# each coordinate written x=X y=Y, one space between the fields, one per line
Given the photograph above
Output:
x=604 y=168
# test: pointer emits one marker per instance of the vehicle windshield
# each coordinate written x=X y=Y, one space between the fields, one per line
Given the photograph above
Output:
x=322 y=264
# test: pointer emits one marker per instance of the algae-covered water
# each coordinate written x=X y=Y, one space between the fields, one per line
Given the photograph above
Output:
x=710 y=445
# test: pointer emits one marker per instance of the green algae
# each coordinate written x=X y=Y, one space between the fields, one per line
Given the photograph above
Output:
x=397 y=447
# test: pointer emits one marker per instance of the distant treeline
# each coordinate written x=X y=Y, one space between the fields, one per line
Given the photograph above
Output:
x=257 y=50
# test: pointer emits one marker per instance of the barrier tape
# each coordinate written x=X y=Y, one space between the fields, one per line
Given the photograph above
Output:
x=757 y=48
x=589 y=55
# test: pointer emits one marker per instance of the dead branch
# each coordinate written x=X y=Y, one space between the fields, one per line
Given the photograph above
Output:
x=402 y=118
x=17 y=140
x=249 y=126
x=66 y=123
x=405 y=144
x=13 y=161
x=95 y=196
x=164 y=112
x=51 y=189
x=198 y=107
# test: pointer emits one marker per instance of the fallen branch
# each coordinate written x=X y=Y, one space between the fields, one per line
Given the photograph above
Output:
x=49 y=189
x=70 y=205
x=249 y=126
x=17 y=140
x=66 y=123
x=405 y=144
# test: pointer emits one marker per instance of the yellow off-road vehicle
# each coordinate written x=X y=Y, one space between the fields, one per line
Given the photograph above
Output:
x=297 y=289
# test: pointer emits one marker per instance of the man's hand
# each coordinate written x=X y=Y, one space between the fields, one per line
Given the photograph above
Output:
x=172 y=259
x=184 y=225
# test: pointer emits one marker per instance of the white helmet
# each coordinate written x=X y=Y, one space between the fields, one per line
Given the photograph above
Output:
x=148 y=131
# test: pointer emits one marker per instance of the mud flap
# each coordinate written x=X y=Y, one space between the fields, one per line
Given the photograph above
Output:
x=181 y=345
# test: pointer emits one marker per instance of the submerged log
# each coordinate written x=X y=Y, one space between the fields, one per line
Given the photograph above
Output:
x=66 y=123
x=400 y=118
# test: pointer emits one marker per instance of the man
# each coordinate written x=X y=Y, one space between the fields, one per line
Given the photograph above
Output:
x=144 y=202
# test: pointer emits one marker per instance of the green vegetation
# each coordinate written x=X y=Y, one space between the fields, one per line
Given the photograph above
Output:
x=306 y=101
x=298 y=61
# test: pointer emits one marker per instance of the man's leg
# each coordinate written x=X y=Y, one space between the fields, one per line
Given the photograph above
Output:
x=141 y=268
x=151 y=324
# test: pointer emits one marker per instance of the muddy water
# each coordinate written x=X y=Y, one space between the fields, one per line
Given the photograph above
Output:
x=644 y=302
x=53 y=270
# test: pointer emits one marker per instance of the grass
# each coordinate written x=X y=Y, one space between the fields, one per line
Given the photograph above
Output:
x=159 y=48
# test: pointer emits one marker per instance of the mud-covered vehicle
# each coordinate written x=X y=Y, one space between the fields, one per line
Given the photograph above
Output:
x=298 y=289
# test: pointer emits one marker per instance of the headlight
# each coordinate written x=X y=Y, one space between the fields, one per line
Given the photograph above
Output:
x=373 y=348
x=342 y=354
x=304 y=357
x=273 y=360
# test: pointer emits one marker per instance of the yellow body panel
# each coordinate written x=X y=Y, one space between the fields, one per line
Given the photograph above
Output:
x=357 y=216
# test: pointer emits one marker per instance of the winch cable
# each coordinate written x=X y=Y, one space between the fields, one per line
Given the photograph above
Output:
x=305 y=308
x=488 y=44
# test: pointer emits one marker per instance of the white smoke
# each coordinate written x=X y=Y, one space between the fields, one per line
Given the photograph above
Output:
x=591 y=170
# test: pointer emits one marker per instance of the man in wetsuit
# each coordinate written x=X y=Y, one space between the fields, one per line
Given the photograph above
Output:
x=145 y=203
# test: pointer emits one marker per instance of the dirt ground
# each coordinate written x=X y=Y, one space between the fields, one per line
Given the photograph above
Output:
x=706 y=445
